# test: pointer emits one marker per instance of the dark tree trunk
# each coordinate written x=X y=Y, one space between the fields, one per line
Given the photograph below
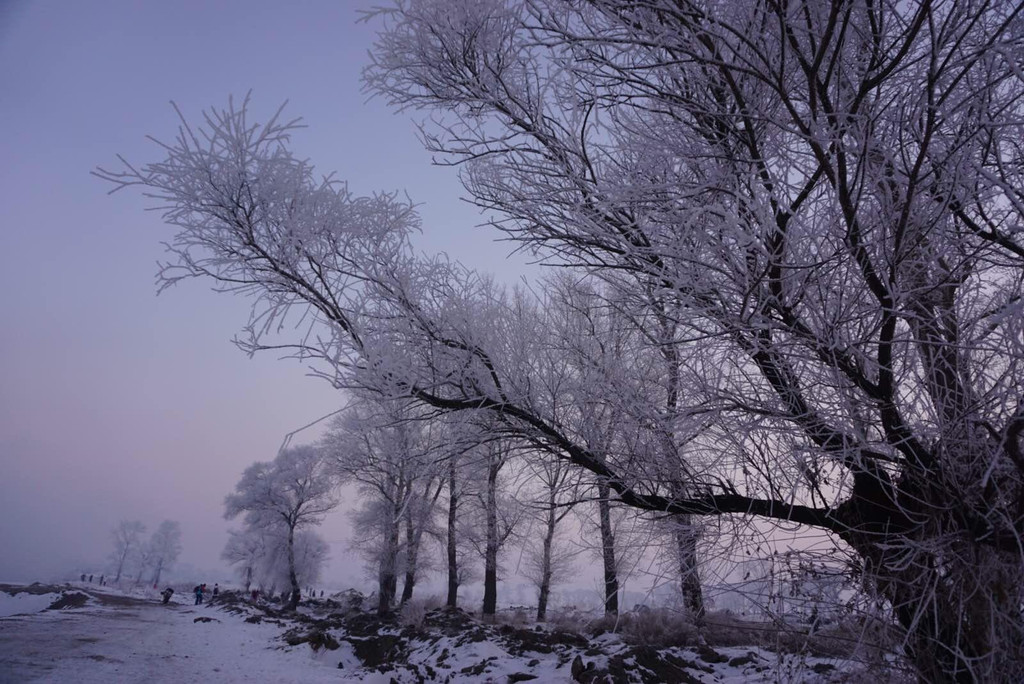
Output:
x=156 y=575
x=389 y=569
x=407 y=586
x=686 y=545
x=611 y=577
x=412 y=550
x=293 y=579
x=545 y=579
x=248 y=578
x=490 y=606
x=453 y=556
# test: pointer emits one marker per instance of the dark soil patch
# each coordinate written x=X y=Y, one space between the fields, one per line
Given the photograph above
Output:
x=316 y=638
x=375 y=651
x=34 y=589
x=645 y=663
x=710 y=655
x=479 y=668
x=518 y=641
x=112 y=600
x=449 y=622
x=69 y=599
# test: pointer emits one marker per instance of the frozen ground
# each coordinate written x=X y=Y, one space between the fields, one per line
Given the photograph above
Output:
x=114 y=637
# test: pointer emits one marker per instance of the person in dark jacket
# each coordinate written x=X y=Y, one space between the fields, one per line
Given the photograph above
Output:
x=166 y=593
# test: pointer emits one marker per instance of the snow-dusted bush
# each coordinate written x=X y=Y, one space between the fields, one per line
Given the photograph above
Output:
x=657 y=627
x=413 y=612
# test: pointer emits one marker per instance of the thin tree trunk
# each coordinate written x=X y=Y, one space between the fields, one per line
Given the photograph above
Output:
x=491 y=551
x=389 y=567
x=120 y=566
x=611 y=578
x=156 y=575
x=453 y=557
x=292 y=577
x=248 y=578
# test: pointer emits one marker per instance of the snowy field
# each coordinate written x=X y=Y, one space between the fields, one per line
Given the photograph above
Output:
x=114 y=637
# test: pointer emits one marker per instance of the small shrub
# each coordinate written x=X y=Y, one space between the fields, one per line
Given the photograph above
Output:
x=516 y=617
x=433 y=602
x=569 y=620
x=657 y=627
x=413 y=613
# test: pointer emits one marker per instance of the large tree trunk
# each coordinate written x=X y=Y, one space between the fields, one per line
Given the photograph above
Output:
x=293 y=579
x=491 y=550
x=453 y=557
x=545 y=578
x=412 y=545
x=686 y=535
x=611 y=577
x=686 y=545
x=955 y=614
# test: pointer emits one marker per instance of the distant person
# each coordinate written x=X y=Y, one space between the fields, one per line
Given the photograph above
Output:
x=199 y=594
x=101 y=580
x=255 y=594
x=90 y=579
x=166 y=593
x=216 y=589
x=321 y=593
x=83 y=576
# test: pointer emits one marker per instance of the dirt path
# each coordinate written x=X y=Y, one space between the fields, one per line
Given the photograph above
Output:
x=122 y=639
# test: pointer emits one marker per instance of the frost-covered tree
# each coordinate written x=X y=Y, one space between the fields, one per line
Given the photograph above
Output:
x=311 y=553
x=551 y=561
x=829 y=193
x=295 y=490
x=127 y=538
x=245 y=549
x=164 y=547
x=494 y=516
x=394 y=453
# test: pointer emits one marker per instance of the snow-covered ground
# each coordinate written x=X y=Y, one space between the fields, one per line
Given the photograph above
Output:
x=24 y=603
x=133 y=640
x=117 y=637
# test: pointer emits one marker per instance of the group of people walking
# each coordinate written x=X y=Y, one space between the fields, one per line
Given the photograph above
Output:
x=200 y=590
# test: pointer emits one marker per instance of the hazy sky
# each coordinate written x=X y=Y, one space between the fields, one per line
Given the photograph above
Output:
x=116 y=403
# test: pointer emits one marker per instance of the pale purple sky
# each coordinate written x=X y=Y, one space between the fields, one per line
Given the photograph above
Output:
x=115 y=403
